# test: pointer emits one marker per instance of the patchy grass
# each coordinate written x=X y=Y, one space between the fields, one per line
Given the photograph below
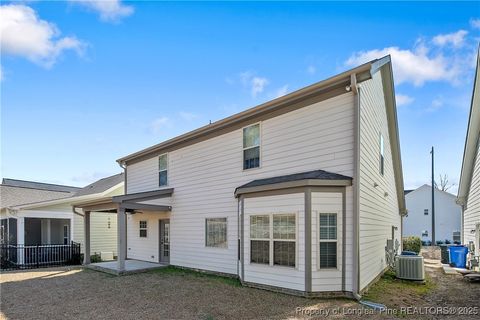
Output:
x=176 y=271
x=395 y=292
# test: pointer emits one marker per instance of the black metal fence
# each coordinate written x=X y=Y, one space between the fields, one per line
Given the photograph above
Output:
x=29 y=257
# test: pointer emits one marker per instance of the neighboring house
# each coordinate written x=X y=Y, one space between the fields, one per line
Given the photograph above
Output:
x=37 y=221
x=418 y=221
x=298 y=194
x=33 y=229
x=469 y=186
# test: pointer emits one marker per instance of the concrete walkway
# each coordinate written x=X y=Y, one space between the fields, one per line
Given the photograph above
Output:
x=131 y=266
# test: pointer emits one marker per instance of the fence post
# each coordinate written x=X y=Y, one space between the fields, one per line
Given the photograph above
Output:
x=38 y=263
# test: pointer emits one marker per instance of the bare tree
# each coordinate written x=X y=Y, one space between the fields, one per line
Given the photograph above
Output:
x=444 y=184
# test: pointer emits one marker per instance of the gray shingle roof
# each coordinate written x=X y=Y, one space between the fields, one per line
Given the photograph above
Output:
x=14 y=196
x=101 y=185
x=316 y=174
x=38 y=185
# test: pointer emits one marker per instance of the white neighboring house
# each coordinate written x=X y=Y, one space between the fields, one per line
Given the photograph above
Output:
x=418 y=221
x=33 y=230
x=469 y=187
x=54 y=221
x=298 y=194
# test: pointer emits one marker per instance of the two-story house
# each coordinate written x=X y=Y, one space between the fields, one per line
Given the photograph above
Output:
x=298 y=194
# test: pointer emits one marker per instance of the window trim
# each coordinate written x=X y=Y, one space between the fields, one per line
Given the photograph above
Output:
x=226 y=236
x=140 y=228
x=68 y=233
x=271 y=240
x=381 y=146
x=337 y=213
x=159 y=171
x=259 y=146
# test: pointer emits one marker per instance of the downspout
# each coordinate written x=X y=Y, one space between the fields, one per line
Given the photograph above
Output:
x=355 y=88
x=124 y=167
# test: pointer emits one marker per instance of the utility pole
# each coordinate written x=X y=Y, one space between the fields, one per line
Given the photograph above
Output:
x=433 y=197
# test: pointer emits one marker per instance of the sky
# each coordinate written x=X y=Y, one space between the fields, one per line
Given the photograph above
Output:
x=84 y=83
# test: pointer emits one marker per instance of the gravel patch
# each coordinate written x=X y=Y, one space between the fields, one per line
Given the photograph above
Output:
x=77 y=293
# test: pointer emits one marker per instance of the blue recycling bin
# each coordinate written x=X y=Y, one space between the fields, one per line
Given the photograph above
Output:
x=458 y=256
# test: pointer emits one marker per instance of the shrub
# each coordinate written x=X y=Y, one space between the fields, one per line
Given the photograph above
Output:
x=438 y=242
x=447 y=241
x=95 y=258
x=412 y=244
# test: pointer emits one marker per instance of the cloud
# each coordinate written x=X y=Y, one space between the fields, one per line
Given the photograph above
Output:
x=475 y=23
x=456 y=39
x=187 y=116
x=109 y=10
x=281 y=91
x=311 y=69
x=424 y=62
x=24 y=34
x=403 y=99
x=255 y=83
x=158 y=125
x=436 y=104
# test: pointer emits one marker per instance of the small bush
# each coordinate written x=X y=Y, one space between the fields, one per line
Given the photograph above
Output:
x=95 y=258
x=412 y=244
x=447 y=241
x=438 y=242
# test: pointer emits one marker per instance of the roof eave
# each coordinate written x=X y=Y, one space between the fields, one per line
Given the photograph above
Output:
x=362 y=73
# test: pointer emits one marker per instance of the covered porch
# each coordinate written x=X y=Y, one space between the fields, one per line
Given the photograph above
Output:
x=130 y=204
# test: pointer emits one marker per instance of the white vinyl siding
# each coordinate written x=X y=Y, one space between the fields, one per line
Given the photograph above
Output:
x=139 y=248
x=271 y=274
x=205 y=175
x=379 y=209
x=103 y=232
x=330 y=279
x=471 y=216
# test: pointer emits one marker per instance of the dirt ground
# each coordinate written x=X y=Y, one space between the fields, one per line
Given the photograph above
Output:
x=77 y=293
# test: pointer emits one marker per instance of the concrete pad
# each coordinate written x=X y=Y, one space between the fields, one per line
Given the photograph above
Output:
x=131 y=266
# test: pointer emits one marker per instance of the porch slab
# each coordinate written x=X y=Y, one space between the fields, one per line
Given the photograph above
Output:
x=131 y=266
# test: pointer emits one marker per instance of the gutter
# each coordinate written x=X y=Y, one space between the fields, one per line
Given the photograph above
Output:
x=74 y=210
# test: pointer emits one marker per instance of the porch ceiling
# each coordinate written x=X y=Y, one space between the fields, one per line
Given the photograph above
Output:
x=129 y=202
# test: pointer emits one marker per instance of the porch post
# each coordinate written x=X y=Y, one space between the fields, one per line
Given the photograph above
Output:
x=121 y=238
x=86 y=227
x=20 y=239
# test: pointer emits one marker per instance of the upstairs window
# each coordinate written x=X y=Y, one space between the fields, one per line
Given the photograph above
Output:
x=382 y=156
x=425 y=212
x=251 y=147
x=163 y=170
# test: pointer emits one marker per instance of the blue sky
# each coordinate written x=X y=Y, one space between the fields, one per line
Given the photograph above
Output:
x=84 y=83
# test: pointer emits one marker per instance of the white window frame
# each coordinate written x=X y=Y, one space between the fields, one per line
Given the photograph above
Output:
x=328 y=240
x=140 y=228
x=159 y=171
x=226 y=231
x=68 y=233
x=381 y=154
x=271 y=239
x=259 y=146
